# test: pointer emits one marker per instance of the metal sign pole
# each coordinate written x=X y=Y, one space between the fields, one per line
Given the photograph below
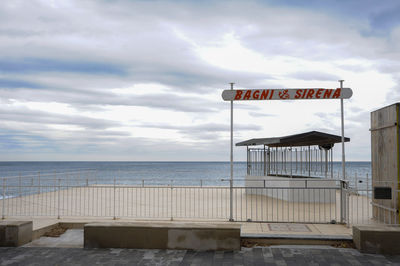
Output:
x=231 y=180
x=342 y=122
x=343 y=204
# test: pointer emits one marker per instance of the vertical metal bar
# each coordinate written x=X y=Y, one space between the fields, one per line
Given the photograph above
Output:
x=309 y=161
x=38 y=182
x=171 y=201
x=247 y=160
x=332 y=163
x=20 y=194
x=291 y=167
x=326 y=163
x=114 y=200
x=316 y=161
x=231 y=157
x=282 y=161
x=59 y=199
x=342 y=127
x=301 y=160
x=276 y=161
x=265 y=162
x=320 y=157
x=367 y=197
x=269 y=162
x=283 y=153
x=3 y=201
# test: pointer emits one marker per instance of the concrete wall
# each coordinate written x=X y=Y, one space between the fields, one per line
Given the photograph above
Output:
x=385 y=159
x=195 y=236
x=377 y=239
x=301 y=189
x=15 y=233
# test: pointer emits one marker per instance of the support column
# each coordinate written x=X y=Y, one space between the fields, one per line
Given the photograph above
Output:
x=231 y=157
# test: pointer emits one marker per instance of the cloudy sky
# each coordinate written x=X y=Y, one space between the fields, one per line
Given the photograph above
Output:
x=142 y=80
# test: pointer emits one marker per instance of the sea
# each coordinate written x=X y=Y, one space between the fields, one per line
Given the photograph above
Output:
x=142 y=173
x=180 y=173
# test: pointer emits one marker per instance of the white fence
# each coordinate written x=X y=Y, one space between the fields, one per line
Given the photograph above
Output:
x=62 y=197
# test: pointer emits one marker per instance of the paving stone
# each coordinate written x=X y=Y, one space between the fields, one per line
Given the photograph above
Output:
x=298 y=228
x=247 y=256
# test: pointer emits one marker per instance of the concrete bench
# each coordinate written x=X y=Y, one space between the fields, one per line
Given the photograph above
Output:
x=377 y=239
x=195 y=236
x=15 y=233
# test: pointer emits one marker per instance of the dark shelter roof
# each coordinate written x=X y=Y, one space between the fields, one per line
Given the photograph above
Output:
x=303 y=139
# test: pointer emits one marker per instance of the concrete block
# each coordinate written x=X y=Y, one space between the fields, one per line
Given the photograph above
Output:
x=314 y=190
x=194 y=236
x=15 y=233
x=377 y=239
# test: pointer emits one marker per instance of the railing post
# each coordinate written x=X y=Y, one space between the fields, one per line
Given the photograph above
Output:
x=231 y=164
x=172 y=218
x=19 y=186
x=343 y=202
x=231 y=200
x=114 y=200
x=58 y=193
x=3 y=200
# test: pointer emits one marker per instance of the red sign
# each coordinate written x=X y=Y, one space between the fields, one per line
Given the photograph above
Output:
x=286 y=94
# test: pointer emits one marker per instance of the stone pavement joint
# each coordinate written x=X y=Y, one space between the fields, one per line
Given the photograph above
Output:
x=279 y=255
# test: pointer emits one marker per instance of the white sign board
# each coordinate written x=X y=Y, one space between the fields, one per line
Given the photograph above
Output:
x=286 y=94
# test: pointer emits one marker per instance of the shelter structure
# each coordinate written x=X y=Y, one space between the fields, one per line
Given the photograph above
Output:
x=306 y=154
x=296 y=162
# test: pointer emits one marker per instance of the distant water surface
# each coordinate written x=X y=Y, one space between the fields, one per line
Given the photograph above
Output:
x=31 y=175
x=210 y=171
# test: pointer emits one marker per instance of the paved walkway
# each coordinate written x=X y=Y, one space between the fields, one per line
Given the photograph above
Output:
x=279 y=255
x=248 y=229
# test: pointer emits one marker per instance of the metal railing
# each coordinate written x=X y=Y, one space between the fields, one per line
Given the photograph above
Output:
x=290 y=161
x=301 y=201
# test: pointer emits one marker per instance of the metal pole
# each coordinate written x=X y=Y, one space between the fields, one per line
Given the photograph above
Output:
x=291 y=167
x=309 y=161
x=342 y=125
x=58 y=199
x=269 y=161
x=326 y=163
x=265 y=162
x=114 y=200
x=3 y=201
x=231 y=183
x=248 y=160
x=343 y=204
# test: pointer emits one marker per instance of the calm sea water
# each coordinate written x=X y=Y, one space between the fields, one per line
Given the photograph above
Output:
x=135 y=173
x=210 y=171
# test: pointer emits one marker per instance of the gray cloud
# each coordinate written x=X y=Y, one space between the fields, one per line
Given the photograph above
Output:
x=313 y=75
x=26 y=115
x=257 y=114
x=203 y=131
x=75 y=52
x=169 y=101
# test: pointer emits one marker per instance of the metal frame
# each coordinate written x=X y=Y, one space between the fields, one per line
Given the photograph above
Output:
x=231 y=153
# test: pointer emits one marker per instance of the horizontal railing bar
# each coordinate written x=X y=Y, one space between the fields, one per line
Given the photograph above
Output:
x=384 y=207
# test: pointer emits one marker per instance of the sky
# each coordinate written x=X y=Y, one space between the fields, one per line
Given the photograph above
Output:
x=127 y=80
